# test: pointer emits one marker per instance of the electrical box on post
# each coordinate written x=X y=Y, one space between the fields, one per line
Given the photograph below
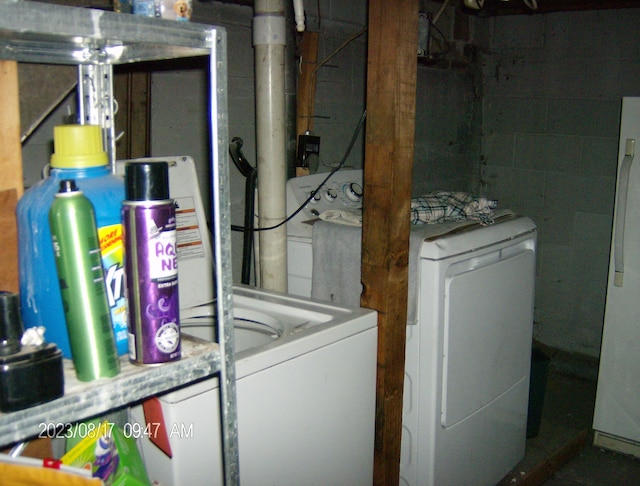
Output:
x=308 y=154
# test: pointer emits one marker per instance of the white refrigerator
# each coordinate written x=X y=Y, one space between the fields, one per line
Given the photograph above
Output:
x=616 y=420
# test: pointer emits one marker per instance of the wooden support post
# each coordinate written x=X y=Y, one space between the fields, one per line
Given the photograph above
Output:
x=307 y=81
x=306 y=88
x=9 y=230
x=132 y=90
x=10 y=146
x=11 y=180
x=391 y=91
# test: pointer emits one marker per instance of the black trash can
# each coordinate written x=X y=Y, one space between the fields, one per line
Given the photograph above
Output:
x=537 y=385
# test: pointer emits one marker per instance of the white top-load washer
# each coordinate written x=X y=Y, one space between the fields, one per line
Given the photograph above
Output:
x=468 y=355
x=305 y=376
x=305 y=387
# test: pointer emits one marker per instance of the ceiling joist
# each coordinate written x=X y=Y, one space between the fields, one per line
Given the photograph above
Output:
x=531 y=7
x=489 y=8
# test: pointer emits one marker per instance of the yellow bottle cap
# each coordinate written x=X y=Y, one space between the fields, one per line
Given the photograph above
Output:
x=77 y=147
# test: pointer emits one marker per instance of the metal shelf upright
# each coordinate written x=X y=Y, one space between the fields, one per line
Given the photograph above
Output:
x=95 y=41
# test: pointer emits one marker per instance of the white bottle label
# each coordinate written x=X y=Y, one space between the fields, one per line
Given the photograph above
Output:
x=163 y=258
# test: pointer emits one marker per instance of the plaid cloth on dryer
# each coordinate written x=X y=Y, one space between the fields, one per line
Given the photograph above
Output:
x=451 y=207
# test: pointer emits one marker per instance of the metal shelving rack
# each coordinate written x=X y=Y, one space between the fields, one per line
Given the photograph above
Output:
x=95 y=41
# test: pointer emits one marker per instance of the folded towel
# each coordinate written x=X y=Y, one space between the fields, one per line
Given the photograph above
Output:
x=350 y=217
x=452 y=207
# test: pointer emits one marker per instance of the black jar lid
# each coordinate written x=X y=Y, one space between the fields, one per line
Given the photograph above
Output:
x=146 y=181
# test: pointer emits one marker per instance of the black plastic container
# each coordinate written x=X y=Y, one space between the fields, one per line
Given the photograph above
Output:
x=31 y=374
x=30 y=377
x=537 y=386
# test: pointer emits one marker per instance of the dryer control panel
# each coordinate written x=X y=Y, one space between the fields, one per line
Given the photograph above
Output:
x=343 y=190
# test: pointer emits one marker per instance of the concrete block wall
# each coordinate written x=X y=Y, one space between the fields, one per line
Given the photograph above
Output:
x=447 y=132
x=552 y=87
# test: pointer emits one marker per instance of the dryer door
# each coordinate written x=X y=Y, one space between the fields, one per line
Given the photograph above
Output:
x=487 y=331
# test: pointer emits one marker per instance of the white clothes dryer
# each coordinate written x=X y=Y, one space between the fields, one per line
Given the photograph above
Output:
x=468 y=355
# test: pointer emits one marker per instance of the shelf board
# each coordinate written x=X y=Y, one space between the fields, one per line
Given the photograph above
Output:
x=53 y=34
x=83 y=400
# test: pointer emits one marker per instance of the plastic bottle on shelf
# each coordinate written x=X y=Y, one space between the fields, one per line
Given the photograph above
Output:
x=76 y=247
x=151 y=264
x=79 y=155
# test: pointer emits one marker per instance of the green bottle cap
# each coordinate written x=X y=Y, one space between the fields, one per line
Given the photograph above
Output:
x=77 y=147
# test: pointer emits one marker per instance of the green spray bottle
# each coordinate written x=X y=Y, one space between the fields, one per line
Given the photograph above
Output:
x=76 y=248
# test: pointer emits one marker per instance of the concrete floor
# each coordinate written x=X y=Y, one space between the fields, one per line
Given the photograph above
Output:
x=562 y=453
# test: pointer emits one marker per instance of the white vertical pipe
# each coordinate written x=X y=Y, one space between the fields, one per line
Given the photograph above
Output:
x=298 y=11
x=269 y=43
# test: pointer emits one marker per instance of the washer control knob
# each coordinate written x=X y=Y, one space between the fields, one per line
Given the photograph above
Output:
x=315 y=198
x=331 y=194
x=353 y=191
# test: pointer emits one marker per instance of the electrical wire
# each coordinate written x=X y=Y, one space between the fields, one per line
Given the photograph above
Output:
x=437 y=15
x=339 y=48
x=319 y=15
x=315 y=191
x=446 y=47
x=314 y=73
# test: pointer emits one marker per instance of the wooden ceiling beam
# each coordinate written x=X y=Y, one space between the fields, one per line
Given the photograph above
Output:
x=491 y=7
x=518 y=7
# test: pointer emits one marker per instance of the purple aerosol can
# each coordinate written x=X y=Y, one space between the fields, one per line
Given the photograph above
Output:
x=151 y=264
